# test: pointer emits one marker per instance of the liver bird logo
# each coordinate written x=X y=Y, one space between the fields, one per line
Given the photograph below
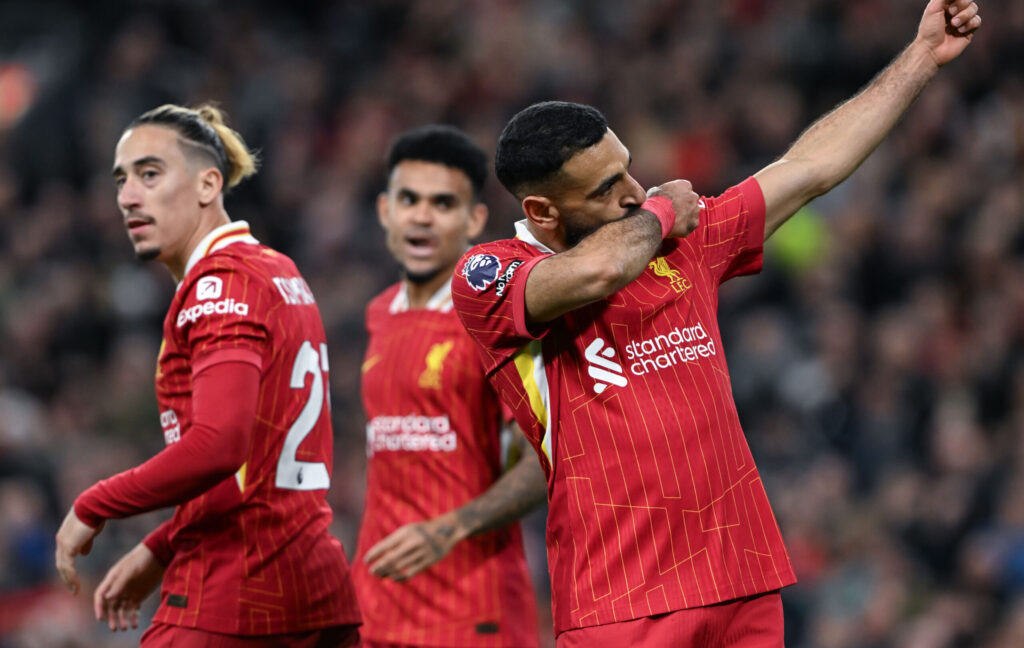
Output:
x=661 y=268
x=431 y=376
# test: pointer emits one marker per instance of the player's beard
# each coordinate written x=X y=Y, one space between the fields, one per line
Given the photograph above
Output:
x=576 y=230
x=420 y=278
x=148 y=255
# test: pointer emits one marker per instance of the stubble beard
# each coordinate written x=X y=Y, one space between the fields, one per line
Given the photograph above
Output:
x=148 y=255
x=420 y=278
x=576 y=231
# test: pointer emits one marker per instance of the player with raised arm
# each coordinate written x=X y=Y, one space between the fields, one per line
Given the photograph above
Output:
x=440 y=557
x=241 y=380
x=598 y=324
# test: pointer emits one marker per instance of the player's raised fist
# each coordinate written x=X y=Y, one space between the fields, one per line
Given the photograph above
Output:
x=686 y=203
x=947 y=27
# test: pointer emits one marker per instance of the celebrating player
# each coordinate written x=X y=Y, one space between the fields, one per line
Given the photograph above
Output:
x=435 y=488
x=241 y=382
x=598 y=324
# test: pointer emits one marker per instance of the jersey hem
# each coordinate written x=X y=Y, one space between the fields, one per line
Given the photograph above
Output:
x=740 y=592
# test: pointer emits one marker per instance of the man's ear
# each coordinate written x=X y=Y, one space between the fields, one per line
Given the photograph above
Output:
x=477 y=220
x=210 y=184
x=541 y=212
x=382 y=209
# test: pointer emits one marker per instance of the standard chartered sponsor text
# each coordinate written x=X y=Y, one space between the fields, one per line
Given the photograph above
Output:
x=681 y=344
x=411 y=433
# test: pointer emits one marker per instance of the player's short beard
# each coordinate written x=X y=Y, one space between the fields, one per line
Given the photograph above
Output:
x=148 y=255
x=576 y=230
x=420 y=278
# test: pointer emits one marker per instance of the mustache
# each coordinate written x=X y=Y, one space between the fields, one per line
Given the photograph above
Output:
x=140 y=219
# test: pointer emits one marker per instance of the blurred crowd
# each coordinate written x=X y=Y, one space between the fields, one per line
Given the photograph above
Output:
x=878 y=361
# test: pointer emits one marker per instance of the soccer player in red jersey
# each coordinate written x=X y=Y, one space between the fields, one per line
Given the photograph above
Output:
x=440 y=556
x=598 y=325
x=241 y=383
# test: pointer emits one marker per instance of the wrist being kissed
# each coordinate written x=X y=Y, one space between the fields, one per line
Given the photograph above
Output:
x=661 y=206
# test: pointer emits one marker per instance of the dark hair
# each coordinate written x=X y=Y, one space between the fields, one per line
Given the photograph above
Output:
x=538 y=140
x=441 y=144
x=204 y=129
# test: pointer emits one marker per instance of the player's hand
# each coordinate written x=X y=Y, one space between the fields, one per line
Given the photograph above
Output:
x=74 y=537
x=947 y=27
x=686 y=203
x=125 y=586
x=414 y=547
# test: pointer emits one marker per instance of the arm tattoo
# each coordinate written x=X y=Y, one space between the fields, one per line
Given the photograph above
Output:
x=434 y=547
x=515 y=494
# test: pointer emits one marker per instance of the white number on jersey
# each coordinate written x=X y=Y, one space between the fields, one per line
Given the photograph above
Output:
x=292 y=473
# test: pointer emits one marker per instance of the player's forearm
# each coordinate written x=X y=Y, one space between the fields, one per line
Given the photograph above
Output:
x=599 y=265
x=519 y=491
x=840 y=141
x=178 y=474
x=834 y=146
x=224 y=409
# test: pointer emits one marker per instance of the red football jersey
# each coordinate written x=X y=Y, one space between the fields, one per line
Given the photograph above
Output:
x=434 y=443
x=252 y=555
x=655 y=503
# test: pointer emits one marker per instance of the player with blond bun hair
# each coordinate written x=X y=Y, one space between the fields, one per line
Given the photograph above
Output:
x=241 y=383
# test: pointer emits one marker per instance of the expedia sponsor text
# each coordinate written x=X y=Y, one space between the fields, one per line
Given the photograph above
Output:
x=222 y=307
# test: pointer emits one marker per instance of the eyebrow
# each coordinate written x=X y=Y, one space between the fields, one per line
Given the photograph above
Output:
x=609 y=182
x=434 y=197
x=148 y=159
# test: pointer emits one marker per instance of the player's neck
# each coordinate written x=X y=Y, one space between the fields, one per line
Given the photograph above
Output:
x=553 y=240
x=208 y=221
x=419 y=294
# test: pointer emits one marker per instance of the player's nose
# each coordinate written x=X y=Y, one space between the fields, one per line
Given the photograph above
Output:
x=634 y=194
x=422 y=213
x=129 y=196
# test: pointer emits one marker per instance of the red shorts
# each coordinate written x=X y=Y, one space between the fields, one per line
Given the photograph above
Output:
x=162 y=635
x=751 y=622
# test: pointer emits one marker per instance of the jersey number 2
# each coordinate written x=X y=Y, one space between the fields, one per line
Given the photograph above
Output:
x=292 y=473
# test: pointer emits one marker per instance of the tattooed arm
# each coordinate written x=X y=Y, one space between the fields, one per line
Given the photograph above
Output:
x=412 y=548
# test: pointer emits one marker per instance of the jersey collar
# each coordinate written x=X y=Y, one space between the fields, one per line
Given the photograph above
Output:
x=220 y=238
x=440 y=301
x=523 y=234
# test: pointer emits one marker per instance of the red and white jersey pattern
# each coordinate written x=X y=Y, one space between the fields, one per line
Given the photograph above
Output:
x=655 y=503
x=252 y=555
x=433 y=444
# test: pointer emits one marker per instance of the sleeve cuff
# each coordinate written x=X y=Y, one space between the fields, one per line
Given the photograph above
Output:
x=83 y=512
x=753 y=198
x=518 y=297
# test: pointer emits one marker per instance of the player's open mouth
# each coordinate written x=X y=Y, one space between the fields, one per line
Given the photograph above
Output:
x=421 y=246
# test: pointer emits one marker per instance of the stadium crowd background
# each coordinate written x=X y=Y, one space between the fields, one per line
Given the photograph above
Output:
x=877 y=362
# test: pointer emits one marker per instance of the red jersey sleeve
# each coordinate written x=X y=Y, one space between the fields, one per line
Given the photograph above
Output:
x=224 y=311
x=489 y=294
x=731 y=231
x=214 y=448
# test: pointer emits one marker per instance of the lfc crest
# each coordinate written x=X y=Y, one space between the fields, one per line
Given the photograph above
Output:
x=661 y=268
x=431 y=376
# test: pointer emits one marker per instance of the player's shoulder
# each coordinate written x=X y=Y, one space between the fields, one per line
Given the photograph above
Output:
x=745 y=196
x=246 y=267
x=380 y=305
x=252 y=257
x=483 y=264
x=503 y=248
